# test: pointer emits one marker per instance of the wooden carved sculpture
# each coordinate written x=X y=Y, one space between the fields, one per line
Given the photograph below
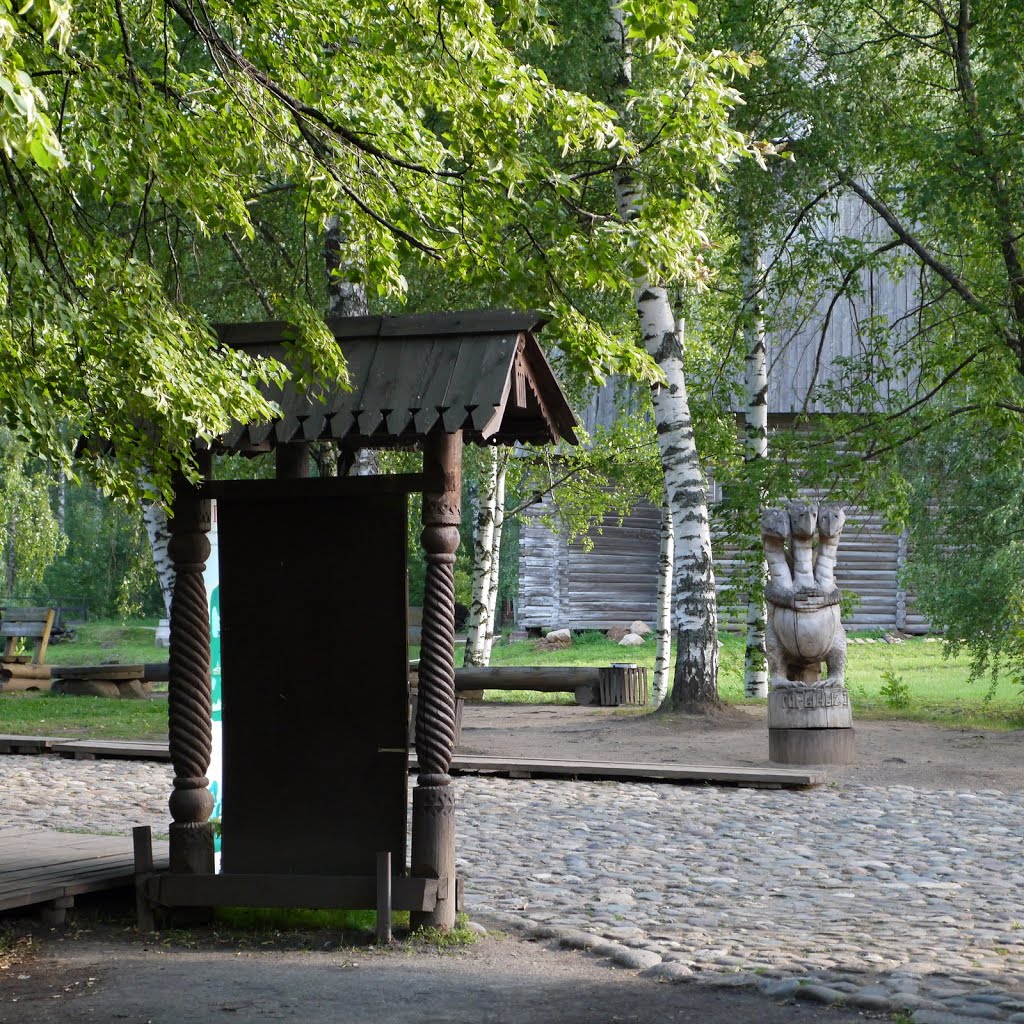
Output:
x=803 y=627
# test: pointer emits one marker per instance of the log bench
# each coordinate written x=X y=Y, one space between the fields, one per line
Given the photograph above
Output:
x=609 y=687
x=116 y=681
x=25 y=671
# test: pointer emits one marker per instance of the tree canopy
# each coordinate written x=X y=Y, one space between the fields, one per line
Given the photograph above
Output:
x=904 y=117
x=162 y=165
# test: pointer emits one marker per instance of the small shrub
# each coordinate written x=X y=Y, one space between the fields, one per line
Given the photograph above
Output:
x=894 y=691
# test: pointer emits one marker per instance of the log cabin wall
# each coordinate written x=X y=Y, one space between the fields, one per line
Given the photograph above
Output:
x=562 y=585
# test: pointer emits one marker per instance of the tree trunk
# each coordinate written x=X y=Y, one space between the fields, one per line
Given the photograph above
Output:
x=499 y=522
x=62 y=498
x=755 y=662
x=155 y=518
x=346 y=298
x=696 y=675
x=12 y=553
x=663 y=627
x=483 y=554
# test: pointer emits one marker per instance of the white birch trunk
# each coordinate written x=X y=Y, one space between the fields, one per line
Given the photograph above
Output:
x=492 y=582
x=346 y=298
x=62 y=498
x=696 y=674
x=755 y=662
x=663 y=627
x=483 y=553
x=155 y=518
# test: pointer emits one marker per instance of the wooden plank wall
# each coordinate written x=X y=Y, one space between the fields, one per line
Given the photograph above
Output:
x=797 y=360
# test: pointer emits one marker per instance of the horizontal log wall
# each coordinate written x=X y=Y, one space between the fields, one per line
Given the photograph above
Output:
x=561 y=585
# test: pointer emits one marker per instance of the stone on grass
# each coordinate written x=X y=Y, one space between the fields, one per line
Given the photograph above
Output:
x=616 y=633
x=640 y=628
x=632 y=640
x=559 y=634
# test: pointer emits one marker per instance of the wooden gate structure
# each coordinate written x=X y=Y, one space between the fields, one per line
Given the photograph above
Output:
x=313 y=593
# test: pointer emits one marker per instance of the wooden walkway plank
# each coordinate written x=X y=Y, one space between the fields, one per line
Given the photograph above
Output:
x=27 y=744
x=147 y=750
x=520 y=767
x=39 y=865
x=556 y=768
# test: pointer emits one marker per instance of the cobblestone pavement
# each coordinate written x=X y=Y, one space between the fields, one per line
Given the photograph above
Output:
x=884 y=899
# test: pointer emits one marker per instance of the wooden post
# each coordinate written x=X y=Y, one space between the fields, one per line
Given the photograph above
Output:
x=384 y=897
x=433 y=802
x=292 y=461
x=190 y=731
x=142 y=844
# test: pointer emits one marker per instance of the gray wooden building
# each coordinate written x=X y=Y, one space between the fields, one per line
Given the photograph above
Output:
x=563 y=585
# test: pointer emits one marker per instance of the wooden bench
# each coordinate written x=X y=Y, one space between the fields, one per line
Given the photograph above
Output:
x=21 y=671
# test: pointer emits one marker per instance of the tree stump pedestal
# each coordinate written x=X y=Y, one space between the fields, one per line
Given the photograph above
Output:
x=810 y=725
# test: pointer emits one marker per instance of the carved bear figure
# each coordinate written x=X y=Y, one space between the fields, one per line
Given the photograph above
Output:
x=803 y=625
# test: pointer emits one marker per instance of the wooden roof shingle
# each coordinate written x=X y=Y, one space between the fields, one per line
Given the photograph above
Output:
x=480 y=371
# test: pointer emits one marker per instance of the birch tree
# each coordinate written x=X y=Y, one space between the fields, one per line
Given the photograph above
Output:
x=663 y=627
x=154 y=515
x=696 y=674
x=504 y=455
x=755 y=425
x=478 y=623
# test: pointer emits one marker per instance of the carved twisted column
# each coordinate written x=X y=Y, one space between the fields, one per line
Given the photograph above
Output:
x=433 y=802
x=188 y=697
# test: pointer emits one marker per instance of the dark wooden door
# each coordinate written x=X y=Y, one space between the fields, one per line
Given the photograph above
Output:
x=313 y=606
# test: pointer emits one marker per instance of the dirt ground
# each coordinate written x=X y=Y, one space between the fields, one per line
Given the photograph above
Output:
x=107 y=974
x=888 y=753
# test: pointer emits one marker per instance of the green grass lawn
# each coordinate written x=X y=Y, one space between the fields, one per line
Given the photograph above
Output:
x=105 y=640
x=938 y=689
x=95 y=642
x=935 y=689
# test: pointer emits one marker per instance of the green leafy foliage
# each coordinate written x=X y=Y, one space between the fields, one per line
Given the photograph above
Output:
x=30 y=536
x=965 y=492
x=107 y=562
x=192 y=156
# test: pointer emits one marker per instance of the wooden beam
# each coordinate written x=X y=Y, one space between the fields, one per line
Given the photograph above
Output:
x=346 y=892
x=292 y=461
x=556 y=679
x=313 y=487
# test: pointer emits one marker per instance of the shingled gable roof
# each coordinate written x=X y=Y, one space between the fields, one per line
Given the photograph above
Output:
x=479 y=371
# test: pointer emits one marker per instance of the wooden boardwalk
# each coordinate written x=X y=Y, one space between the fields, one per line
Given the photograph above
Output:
x=42 y=867
x=511 y=767
x=88 y=750
x=552 y=768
